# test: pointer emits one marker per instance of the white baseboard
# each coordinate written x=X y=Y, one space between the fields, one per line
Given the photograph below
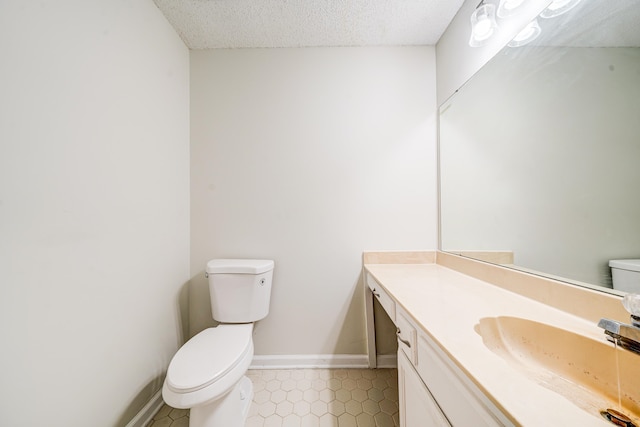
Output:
x=146 y=414
x=387 y=360
x=319 y=361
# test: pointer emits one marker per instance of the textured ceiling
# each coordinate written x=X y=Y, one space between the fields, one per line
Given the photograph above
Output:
x=210 y=24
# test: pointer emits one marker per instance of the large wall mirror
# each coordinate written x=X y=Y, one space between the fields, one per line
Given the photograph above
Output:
x=540 y=150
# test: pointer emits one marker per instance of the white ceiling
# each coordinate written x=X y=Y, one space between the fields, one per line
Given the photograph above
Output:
x=210 y=24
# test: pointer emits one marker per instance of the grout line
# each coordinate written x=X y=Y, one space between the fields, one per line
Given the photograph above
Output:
x=313 y=398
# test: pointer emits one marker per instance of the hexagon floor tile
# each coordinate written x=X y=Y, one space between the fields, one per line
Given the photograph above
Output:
x=313 y=398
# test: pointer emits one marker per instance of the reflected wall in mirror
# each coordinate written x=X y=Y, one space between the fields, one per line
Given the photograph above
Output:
x=540 y=150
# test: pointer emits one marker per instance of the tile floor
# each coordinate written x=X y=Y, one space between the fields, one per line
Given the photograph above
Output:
x=313 y=398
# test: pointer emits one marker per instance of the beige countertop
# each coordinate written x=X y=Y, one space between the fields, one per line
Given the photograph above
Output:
x=448 y=305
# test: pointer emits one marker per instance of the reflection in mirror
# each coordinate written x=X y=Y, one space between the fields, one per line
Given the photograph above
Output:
x=540 y=150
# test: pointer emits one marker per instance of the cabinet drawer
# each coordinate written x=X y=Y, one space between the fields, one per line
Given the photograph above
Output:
x=383 y=298
x=407 y=335
x=458 y=397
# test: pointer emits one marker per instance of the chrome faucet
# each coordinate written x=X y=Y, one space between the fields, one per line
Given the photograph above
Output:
x=625 y=335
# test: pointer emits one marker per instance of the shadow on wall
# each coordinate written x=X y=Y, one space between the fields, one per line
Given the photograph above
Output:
x=199 y=303
x=143 y=397
x=182 y=314
x=348 y=333
x=148 y=391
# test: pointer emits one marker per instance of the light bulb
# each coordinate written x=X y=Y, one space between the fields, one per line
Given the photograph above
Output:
x=558 y=7
x=483 y=28
x=483 y=24
x=527 y=35
x=557 y=4
x=509 y=7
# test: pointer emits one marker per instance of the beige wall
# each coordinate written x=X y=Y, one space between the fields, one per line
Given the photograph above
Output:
x=94 y=202
x=309 y=157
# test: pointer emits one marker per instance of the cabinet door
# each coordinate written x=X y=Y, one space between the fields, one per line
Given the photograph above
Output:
x=457 y=396
x=417 y=407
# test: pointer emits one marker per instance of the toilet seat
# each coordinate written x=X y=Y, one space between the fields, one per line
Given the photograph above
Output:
x=208 y=365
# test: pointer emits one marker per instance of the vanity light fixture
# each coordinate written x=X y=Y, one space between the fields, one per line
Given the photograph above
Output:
x=508 y=8
x=483 y=24
x=527 y=35
x=558 y=7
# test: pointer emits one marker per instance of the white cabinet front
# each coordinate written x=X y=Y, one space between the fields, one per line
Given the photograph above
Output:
x=417 y=406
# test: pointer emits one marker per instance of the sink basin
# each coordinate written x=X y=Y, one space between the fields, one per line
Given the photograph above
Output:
x=590 y=373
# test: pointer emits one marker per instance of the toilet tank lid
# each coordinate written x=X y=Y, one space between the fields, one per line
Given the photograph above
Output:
x=239 y=266
x=625 y=264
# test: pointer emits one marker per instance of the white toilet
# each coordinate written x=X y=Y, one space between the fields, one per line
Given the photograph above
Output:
x=626 y=275
x=207 y=374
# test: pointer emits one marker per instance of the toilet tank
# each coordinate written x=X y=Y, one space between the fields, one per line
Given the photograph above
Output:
x=240 y=289
x=626 y=274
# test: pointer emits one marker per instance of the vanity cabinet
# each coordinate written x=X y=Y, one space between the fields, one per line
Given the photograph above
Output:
x=417 y=406
x=433 y=390
x=458 y=397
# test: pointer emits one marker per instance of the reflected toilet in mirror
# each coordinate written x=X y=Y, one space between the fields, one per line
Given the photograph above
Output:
x=626 y=275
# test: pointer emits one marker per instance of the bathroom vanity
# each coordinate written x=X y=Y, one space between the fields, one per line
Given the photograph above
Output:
x=482 y=345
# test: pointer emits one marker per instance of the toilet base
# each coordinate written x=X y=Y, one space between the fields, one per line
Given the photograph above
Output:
x=228 y=411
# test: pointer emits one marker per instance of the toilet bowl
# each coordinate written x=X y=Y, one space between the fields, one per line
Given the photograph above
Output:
x=626 y=275
x=208 y=369
x=207 y=374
